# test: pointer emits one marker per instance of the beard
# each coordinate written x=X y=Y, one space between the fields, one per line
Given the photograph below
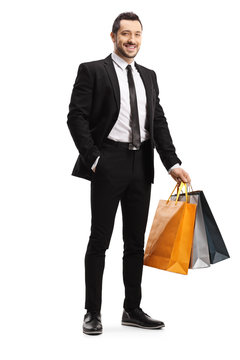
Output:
x=122 y=52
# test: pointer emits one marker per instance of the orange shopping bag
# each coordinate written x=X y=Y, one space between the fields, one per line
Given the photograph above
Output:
x=170 y=240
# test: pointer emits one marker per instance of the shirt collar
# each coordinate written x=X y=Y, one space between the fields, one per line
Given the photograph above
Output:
x=122 y=63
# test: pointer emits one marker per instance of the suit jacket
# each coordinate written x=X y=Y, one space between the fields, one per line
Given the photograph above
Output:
x=94 y=109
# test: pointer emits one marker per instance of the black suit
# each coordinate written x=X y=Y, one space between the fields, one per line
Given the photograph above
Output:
x=94 y=109
x=121 y=174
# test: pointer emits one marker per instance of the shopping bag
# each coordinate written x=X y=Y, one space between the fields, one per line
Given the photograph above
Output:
x=200 y=250
x=216 y=246
x=170 y=240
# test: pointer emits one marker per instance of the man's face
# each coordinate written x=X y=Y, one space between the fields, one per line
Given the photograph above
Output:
x=127 y=42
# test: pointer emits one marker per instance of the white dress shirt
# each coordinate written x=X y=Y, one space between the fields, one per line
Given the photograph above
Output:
x=121 y=130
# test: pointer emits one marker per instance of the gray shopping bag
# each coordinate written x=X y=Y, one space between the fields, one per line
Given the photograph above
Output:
x=216 y=246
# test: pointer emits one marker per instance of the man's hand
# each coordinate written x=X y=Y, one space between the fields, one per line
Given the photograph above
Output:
x=178 y=174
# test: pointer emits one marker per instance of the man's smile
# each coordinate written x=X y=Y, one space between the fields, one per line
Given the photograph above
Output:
x=130 y=46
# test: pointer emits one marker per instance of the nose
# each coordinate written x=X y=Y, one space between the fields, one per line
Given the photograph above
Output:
x=132 y=39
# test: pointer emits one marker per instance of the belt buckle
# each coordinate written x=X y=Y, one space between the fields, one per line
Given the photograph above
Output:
x=132 y=147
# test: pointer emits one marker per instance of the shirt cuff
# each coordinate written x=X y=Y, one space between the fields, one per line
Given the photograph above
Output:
x=95 y=163
x=174 y=167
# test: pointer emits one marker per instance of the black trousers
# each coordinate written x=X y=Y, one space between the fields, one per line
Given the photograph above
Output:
x=121 y=175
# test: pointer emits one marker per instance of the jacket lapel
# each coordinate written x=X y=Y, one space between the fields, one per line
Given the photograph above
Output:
x=147 y=81
x=113 y=78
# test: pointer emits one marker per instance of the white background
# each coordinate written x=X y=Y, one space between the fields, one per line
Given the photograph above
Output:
x=194 y=48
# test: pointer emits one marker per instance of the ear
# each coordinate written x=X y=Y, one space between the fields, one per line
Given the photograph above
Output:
x=113 y=37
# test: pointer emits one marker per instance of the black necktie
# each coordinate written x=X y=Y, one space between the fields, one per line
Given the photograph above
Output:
x=136 y=138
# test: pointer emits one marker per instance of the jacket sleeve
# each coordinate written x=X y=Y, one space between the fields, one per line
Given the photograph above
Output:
x=79 y=114
x=162 y=138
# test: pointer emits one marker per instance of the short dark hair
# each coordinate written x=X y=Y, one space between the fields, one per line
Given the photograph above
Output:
x=124 y=16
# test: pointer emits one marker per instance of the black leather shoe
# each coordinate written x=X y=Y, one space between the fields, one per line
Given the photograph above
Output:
x=140 y=319
x=92 y=323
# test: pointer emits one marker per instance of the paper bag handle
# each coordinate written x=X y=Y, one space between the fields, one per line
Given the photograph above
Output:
x=179 y=190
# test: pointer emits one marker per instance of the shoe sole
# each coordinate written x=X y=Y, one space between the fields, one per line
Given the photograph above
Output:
x=98 y=332
x=143 y=327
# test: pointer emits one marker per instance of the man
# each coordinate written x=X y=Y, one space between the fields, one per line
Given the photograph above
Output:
x=116 y=121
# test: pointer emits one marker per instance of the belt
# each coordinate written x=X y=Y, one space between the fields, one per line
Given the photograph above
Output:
x=126 y=145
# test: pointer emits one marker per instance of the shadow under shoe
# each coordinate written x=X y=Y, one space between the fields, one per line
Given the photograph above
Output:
x=92 y=323
x=140 y=319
